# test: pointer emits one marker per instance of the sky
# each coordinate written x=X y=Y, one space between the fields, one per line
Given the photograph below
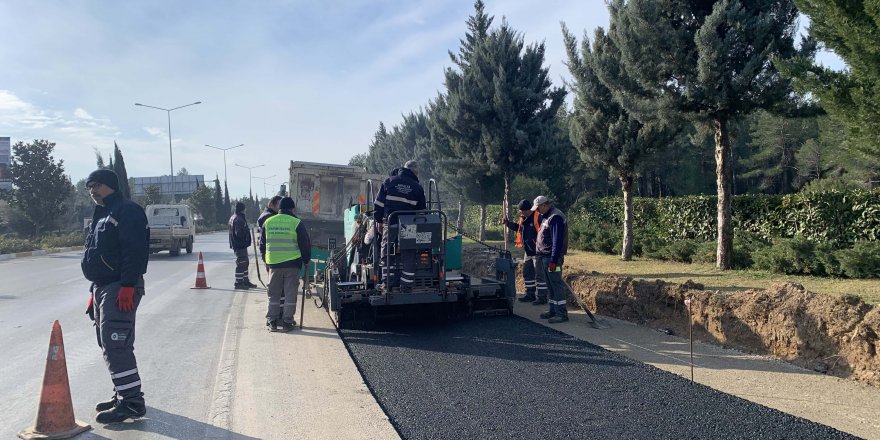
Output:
x=292 y=80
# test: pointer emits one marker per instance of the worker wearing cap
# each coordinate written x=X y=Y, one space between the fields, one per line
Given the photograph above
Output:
x=115 y=260
x=526 y=234
x=551 y=247
x=288 y=250
x=400 y=192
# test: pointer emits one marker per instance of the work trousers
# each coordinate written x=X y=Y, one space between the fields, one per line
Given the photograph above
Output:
x=241 y=265
x=283 y=282
x=540 y=279
x=556 y=286
x=528 y=273
x=405 y=258
x=115 y=331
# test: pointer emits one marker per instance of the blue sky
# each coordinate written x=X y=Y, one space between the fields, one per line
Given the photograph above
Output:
x=292 y=80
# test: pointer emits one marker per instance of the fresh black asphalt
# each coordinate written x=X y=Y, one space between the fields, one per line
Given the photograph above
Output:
x=509 y=378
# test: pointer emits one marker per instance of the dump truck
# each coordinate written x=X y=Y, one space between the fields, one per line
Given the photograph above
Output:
x=322 y=192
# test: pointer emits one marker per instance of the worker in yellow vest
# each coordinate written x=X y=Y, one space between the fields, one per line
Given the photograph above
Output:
x=526 y=235
x=288 y=250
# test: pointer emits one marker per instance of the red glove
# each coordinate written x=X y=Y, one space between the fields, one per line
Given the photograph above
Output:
x=552 y=267
x=125 y=299
x=90 y=307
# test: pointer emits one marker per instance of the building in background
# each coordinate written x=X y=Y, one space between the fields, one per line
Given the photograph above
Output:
x=183 y=185
x=5 y=160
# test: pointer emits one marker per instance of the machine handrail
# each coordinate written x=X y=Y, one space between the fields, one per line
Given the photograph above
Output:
x=432 y=188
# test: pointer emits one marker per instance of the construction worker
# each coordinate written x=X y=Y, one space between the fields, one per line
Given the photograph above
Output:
x=239 y=241
x=400 y=192
x=526 y=234
x=551 y=247
x=271 y=209
x=288 y=250
x=117 y=249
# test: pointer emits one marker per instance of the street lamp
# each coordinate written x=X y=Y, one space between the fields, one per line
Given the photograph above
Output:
x=250 y=176
x=264 y=183
x=224 y=150
x=170 y=155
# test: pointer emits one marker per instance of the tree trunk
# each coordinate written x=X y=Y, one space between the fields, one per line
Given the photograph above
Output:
x=459 y=222
x=722 y=177
x=626 y=185
x=505 y=205
x=482 y=236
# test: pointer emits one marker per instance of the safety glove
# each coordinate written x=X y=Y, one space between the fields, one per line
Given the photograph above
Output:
x=552 y=267
x=90 y=307
x=125 y=299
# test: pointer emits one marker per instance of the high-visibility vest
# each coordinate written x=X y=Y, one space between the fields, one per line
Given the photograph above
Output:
x=519 y=242
x=281 y=244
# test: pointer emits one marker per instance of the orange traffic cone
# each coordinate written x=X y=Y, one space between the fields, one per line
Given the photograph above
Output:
x=55 y=414
x=201 y=281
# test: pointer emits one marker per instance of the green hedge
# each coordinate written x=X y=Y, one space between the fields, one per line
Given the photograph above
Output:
x=11 y=245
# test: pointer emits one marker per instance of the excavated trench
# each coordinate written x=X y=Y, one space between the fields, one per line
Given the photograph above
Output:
x=836 y=336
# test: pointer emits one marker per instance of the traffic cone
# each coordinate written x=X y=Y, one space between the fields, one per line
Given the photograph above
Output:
x=201 y=281
x=55 y=414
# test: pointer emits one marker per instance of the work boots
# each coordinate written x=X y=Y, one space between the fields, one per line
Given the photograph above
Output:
x=242 y=286
x=104 y=406
x=127 y=408
x=527 y=298
x=557 y=319
x=272 y=325
x=547 y=315
x=249 y=284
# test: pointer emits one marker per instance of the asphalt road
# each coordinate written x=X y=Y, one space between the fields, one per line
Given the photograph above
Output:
x=179 y=335
x=509 y=378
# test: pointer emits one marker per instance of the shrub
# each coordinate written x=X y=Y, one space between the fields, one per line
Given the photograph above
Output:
x=795 y=256
x=827 y=257
x=860 y=261
x=62 y=240
x=705 y=252
x=680 y=250
x=11 y=245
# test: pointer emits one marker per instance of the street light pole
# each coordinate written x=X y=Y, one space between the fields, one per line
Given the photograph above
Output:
x=224 y=150
x=250 y=176
x=170 y=152
x=264 y=183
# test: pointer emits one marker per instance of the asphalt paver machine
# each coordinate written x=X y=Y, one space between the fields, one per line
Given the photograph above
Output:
x=349 y=282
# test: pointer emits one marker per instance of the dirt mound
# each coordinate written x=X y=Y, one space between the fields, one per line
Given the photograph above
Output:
x=830 y=335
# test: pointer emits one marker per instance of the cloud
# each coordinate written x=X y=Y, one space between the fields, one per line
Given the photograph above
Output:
x=82 y=114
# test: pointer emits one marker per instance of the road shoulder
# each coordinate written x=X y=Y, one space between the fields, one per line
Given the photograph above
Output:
x=842 y=404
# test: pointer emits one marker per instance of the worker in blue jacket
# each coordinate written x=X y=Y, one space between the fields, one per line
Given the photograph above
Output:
x=400 y=192
x=115 y=260
x=526 y=234
x=551 y=247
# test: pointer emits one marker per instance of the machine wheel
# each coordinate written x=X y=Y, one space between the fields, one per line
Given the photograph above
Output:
x=189 y=245
x=175 y=249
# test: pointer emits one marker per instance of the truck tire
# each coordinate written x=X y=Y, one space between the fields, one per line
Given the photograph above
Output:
x=189 y=245
x=175 y=248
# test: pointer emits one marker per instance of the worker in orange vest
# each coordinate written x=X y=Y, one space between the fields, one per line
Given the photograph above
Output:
x=526 y=234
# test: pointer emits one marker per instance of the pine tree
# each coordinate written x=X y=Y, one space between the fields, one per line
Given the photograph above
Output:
x=850 y=29
x=601 y=129
x=40 y=186
x=227 y=205
x=118 y=165
x=709 y=61
x=777 y=141
x=219 y=211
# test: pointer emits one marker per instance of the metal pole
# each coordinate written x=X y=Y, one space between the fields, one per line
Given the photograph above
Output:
x=691 y=332
x=170 y=155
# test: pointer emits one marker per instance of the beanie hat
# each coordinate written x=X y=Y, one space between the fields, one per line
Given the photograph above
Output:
x=105 y=176
x=524 y=205
x=286 y=204
x=239 y=207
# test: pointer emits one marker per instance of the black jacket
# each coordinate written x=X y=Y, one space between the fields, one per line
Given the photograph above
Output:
x=269 y=212
x=400 y=192
x=529 y=232
x=302 y=241
x=118 y=245
x=239 y=233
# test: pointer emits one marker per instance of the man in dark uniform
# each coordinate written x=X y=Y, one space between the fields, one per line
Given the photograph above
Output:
x=526 y=234
x=271 y=209
x=551 y=246
x=239 y=241
x=115 y=260
x=400 y=192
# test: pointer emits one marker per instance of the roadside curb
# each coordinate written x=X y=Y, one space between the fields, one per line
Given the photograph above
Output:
x=39 y=252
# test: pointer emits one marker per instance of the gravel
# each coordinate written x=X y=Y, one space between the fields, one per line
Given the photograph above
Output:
x=509 y=378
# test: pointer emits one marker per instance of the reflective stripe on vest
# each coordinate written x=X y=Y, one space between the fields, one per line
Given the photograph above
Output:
x=281 y=244
x=519 y=242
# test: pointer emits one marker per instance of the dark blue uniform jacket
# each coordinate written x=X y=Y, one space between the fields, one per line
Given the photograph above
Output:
x=400 y=192
x=239 y=232
x=118 y=245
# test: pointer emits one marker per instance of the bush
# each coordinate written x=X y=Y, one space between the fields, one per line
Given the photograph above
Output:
x=860 y=261
x=680 y=250
x=706 y=252
x=62 y=240
x=11 y=245
x=794 y=256
x=828 y=258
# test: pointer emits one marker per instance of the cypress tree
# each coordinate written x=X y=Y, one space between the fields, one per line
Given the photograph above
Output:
x=219 y=212
x=118 y=165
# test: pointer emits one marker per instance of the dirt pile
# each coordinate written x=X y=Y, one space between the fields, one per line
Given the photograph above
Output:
x=837 y=336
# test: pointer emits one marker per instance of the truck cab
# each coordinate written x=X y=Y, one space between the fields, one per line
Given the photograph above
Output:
x=171 y=228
